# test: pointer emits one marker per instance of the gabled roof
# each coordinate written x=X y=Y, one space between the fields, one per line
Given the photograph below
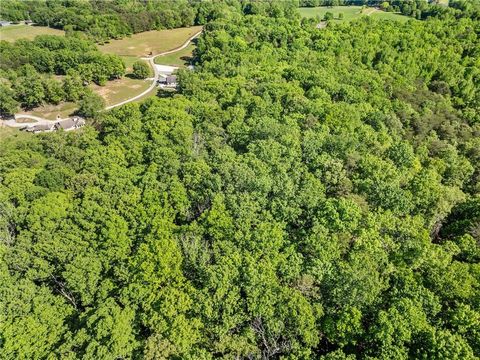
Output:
x=40 y=127
x=66 y=124
x=70 y=123
x=171 y=79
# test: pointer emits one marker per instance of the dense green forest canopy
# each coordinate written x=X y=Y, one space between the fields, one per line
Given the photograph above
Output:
x=307 y=194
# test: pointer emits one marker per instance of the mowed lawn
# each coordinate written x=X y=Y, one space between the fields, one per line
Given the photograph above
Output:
x=155 y=41
x=129 y=60
x=15 y=32
x=116 y=91
x=50 y=111
x=390 y=16
x=7 y=132
x=180 y=58
x=349 y=13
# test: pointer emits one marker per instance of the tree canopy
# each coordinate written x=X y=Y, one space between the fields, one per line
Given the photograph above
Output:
x=307 y=194
x=27 y=69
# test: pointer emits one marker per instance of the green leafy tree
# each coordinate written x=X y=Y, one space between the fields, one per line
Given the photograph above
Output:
x=90 y=105
x=53 y=91
x=141 y=70
x=8 y=104
x=328 y=16
x=73 y=86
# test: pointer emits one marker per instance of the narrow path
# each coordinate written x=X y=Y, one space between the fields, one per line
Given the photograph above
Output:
x=151 y=61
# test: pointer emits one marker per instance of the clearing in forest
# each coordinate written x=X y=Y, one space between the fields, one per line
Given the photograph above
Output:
x=155 y=41
x=14 y=32
x=349 y=13
x=51 y=111
x=180 y=58
x=116 y=91
x=140 y=45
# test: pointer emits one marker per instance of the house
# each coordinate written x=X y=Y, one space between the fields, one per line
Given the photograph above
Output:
x=5 y=23
x=69 y=124
x=40 y=128
x=171 y=80
x=66 y=125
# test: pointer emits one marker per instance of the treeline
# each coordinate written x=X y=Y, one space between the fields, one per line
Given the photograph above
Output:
x=420 y=9
x=308 y=194
x=104 y=20
x=58 y=54
x=27 y=88
x=27 y=69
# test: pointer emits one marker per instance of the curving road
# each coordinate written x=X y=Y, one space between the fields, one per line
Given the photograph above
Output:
x=151 y=61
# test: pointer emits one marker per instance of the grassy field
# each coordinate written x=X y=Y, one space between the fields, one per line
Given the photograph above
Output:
x=349 y=13
x=390 y=16
x=113 y=92
x=139 y=45
x=6 y=132
x=118 y=90
x=129 y=60
x=150 y=41
x=15 y=32
x=130 y=49
x=51 y=111
x=179 y=59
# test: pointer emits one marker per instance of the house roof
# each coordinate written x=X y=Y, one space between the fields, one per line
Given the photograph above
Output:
x=70 y=123
x=171 y=79
x=66 y=124
x=40 y=127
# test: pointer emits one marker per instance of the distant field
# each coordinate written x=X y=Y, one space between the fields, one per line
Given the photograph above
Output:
x=349 y=13
x=390 y=16
x=122 y=89
x=142 y=44
x=179 y=58
x=15 y=32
